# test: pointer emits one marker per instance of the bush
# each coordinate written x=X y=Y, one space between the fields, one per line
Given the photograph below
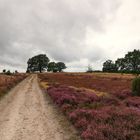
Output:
x=136 y=86
x=8 y=72
x=99 y=118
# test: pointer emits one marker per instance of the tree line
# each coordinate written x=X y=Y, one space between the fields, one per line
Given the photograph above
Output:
x=8 y=72
x=42 y=63
x=130 y=63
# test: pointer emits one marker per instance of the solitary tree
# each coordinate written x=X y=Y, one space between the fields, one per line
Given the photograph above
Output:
x=16 y=71
x=90 y=70
x=4 y=71
x=38 y=63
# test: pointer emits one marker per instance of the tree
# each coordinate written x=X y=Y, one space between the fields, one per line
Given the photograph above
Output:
x=4 y=71
x=109 y=66
x=60 y=66
x=130 y=63
x=90 y=70
x=121 y=64
x=16 y=71
x=55 y=67
x=133 y=61
x=38 y=63
x=8 y=72
x=52 y=67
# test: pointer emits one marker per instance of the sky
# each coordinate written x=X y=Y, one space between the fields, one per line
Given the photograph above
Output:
x=76 y=32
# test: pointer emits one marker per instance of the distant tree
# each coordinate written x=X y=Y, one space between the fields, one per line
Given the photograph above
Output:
x=109 y=66
x=60 y=66
x=8 y=72
x=16 y=71
x=130 y=63
x=121 y=64
x=133 y=61
x=90 y=70
x=55 y=67
x=38 y=63
x=52 y=67
x=4 y=71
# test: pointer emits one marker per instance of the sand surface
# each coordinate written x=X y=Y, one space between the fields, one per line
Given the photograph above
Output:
x=27 y=114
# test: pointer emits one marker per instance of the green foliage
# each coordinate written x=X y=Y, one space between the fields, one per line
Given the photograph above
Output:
x=130 y=63
x=16 y=71
x=27 y=71
x=109 y=66
x=60 y=66
x=55 y=67
x=38 y=63
x=121 y=64
x=41 y=63
x=136 y=86
x=52 y=67
x=4 y=71
x=8 y=72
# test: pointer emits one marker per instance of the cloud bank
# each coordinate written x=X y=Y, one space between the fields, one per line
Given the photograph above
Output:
x=77 y=32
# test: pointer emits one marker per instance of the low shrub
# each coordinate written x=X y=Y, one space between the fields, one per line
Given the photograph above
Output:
x=9 y=81
x=133 y=102
x=110 y=123
x=115 y=116
x=99 y=118
x=123 y=94
x=136 y=86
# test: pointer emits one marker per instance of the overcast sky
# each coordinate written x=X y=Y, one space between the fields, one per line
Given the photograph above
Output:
x=77 y=32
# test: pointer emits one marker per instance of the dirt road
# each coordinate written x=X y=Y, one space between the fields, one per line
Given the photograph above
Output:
x=25 y=114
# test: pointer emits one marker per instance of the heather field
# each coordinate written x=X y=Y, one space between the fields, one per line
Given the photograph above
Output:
x=9 y=81
x=110 y=83
x=100 y=106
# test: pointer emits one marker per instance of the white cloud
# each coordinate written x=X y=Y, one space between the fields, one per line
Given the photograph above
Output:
x=78 y=32
x=122 y=33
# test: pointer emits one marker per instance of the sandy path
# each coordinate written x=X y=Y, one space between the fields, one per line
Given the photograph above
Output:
x=25 y=114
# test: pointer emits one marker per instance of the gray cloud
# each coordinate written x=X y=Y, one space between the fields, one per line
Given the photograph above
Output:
x=58 y=28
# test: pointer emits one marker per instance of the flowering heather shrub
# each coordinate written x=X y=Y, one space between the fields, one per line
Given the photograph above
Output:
x=99 y=118
x=133 y=102
x=111 y=101
x=62 y=95
x=100 y=82
x=66 y=108
x=123 y=95
x=115 y=117
x=7 y=82
x=107 y=123
x=66 y=95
